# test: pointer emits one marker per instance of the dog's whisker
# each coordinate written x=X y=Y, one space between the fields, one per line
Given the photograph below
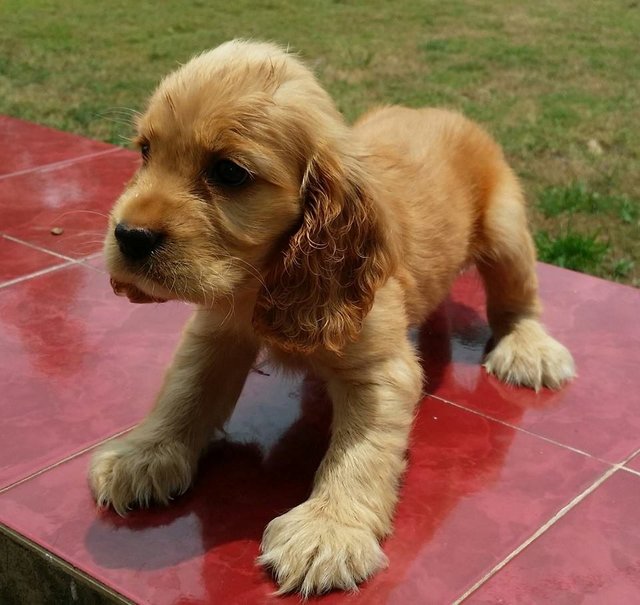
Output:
x=122 y=109
x=96 y=232
x=123 y=115
x=85 y=249
x=83 y=236
x=116 y=120
x=253 y=271
x=230 y=313
x=80 y=211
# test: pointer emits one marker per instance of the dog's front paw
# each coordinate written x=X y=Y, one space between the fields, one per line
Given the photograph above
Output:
x=309 y=552
x=136 y=472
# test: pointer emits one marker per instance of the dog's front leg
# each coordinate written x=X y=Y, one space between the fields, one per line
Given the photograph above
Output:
x=332 y=539
x=158 y=458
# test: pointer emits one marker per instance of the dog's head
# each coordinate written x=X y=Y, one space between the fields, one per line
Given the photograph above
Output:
x=250 y=186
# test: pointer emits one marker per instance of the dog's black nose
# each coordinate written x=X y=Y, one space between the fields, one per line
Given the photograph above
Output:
x=136 y=243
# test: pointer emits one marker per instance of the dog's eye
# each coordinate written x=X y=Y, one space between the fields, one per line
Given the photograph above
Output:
x=145 y=151
x=226 y=172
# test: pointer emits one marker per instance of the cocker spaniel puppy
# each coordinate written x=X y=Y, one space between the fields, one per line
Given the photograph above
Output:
x=322 y=243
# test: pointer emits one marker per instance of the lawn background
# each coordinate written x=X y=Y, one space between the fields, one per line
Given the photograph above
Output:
x=556 y=81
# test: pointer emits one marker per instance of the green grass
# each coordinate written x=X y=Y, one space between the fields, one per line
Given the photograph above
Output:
x=555 y=201
x=622 y=268
x=574 y=198
x=577 y=251
x=556 y=81
x=582 y=249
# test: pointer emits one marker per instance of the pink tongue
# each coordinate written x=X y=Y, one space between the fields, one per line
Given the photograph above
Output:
x=132 y=293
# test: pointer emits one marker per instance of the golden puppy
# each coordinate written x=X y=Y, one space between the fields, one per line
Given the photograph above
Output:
x=322 y=243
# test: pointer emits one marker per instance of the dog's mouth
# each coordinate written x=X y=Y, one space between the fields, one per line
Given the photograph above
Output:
x=162 y=278
x=133 y=293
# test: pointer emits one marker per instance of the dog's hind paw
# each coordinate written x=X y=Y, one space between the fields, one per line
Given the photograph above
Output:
x=528 y=356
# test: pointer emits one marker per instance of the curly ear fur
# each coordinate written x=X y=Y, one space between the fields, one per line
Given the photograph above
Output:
x=320 y=289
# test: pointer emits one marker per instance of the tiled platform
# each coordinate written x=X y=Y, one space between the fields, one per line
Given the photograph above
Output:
x=510 y=497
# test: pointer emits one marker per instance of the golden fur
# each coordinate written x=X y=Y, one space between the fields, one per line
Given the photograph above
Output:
x=342 y=238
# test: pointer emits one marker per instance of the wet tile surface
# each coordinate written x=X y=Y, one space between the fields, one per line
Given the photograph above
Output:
x=26 y=146
x=595 y=319
x=474 y=491
x=74 y=197
x=78 y=364
x=590 y=556
x=17 y=260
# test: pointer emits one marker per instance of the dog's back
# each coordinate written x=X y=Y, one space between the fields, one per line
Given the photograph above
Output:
x=440 y=172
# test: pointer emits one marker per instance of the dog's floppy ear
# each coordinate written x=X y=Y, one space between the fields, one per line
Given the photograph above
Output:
x=321 y=287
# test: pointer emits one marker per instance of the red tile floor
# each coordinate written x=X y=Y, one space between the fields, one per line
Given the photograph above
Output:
x=510 y=497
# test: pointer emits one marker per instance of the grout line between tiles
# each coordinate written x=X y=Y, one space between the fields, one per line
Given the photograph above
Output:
x=630 y=470
x=17 y=240
x=61 y=163
x=544 y=528
x=519 y=428
x=68 y=261
x=22 y=278
x=66 y=459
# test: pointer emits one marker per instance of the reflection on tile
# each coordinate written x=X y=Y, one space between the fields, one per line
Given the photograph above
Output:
x=475 y=489
x=597 y=320
x=26 y=145
x=74 y=197
x=17 y=260
x=78 y=365
x=590 y=556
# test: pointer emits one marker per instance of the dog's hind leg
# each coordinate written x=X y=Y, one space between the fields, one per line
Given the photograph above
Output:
x=524 y=352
